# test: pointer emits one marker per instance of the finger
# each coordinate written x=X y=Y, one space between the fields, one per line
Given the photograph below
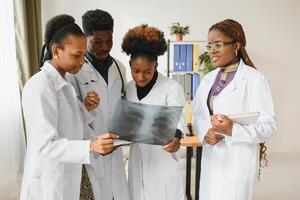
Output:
x=92 y=97
x=109 y=135
x=210 y=134
x=92 y=101
x=220 y=137
x=209 y=141
x=92 y=93
x=106 y=141
x=108 y=147
x=167 y=146
x=170 y=150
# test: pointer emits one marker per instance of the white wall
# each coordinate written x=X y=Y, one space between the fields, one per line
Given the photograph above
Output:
x=271 y=26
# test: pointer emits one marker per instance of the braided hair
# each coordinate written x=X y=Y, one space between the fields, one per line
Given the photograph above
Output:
x=144 y=41
x=57 y=29
x=235 y=30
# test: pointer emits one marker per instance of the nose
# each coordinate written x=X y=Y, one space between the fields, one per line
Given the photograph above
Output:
x=141 y=77
x=105 y=46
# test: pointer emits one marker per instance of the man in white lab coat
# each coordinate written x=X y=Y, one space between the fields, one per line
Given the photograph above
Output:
x=105 y=75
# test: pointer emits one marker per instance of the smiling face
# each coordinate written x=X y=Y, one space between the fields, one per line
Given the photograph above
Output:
x=100 y=44
x=226 y=55
x=69 y=56
x=142 y=70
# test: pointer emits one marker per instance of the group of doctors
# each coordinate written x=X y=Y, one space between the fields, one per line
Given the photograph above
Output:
x=68 y=108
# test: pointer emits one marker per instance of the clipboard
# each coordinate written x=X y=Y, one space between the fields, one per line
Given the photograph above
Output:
x=245 y=118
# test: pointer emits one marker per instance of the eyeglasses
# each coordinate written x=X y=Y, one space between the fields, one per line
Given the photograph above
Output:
x=217 y=46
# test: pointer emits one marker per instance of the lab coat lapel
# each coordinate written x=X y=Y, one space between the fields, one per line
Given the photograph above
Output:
x=113 y=75
x=58 y=81
x=88 y=73
x=207 y=89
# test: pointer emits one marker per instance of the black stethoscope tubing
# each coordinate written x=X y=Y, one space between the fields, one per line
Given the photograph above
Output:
x=123 y=93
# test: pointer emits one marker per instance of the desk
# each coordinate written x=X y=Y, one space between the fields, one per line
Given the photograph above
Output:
x=190 y=142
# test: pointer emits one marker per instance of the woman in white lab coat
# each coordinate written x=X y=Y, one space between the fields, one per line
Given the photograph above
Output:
x=230 y=160
x=105 y=75
x=154 y=171
x=54 y=120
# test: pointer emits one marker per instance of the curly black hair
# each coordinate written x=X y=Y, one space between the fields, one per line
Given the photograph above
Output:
x=97 y=20
x=144 y=40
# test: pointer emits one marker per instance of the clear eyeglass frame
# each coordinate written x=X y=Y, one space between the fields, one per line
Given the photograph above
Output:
x=218 y=46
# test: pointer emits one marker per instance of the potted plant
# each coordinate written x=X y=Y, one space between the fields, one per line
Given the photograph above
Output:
x=179 y=31
x=205 y=59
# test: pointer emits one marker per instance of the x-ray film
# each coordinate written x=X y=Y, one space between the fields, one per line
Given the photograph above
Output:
x=144 y=123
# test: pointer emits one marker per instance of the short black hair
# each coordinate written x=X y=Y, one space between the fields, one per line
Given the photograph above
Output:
x=144 y=41
x=57 y=29
x=97 y=20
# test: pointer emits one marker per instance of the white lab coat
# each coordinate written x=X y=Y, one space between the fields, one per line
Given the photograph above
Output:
x=153 y=172
x=229 y=168
x=54 y=127
x=107 y=173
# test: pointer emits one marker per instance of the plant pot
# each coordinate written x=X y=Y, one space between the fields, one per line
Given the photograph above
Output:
x=178 y=37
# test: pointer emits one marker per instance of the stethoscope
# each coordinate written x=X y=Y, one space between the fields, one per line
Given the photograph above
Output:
x=123 y=93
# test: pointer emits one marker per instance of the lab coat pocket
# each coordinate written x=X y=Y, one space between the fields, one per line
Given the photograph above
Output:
x=52 y=179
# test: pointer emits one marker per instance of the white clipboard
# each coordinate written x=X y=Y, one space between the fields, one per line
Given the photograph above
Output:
x=245 y=118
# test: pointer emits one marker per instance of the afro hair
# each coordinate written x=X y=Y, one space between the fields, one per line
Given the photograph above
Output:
x=97 y=20
x=144 y=40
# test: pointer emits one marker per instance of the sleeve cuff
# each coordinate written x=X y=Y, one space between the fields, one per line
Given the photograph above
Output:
x=178 y=134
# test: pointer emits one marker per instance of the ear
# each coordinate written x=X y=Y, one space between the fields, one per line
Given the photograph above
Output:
x=237 y=46
x=156 y=65
x=54 y=50
x=130 y=63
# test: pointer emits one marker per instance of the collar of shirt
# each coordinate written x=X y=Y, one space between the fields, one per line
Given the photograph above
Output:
x=144 y=91
x=101 y=67
x=50 y=71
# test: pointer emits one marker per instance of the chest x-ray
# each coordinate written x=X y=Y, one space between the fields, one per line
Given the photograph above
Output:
x=144 y=123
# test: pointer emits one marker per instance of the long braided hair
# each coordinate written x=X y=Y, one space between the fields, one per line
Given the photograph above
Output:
x=235 y=30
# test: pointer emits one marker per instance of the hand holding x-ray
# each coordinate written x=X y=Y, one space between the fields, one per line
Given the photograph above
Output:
x=144 y=123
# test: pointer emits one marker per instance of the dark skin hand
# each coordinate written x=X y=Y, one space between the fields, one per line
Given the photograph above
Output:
x=91 y=101
x=221 y=124
x=212 y=138
x=172 y=146
x=103 y=144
